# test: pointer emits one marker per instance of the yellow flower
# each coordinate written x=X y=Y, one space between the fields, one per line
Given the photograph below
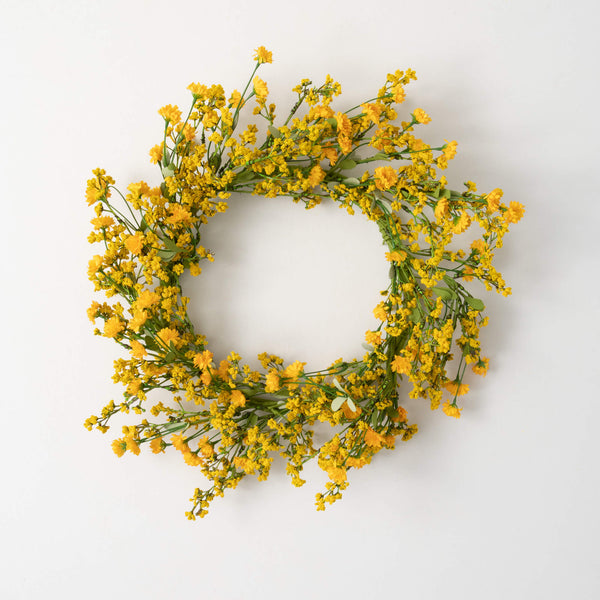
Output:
x=372 y=111
x=272 y=382
x=349 y=413
x=450 y=149
x=236 y=98
x=294 y=370
x=320 y=112
x=192 y=459
x=157 y=445
x=373 y=337
x=156 y=153
x=132 y=445
x=205 y=447
x=330 y=154
x=170 y=113
x=178 y=443
x=316 y=175
x=223 y=368
x=514 y=212
x=179 y=214
x=462 y=224
x=373 y=439
x=344 y=126
x=138 y=319
x=263 y=55
x=100 y=222
x=468 y=273
x=92 y=311
x=421 y=116
x=202 y=360
x=455 y=389
x=481 y=367
x=451 y=410
x=198 y=90
x=146 y=299
x=137 y=349
x=385 y=177
x=237 y=398
x=399 y=94
x=396 y=256
x=98 y=187
x=379 y=312
x=95 y=264
x=168 y=335
x=478 y=246
x=401 y=415
x=260 y=87
x=134 y=243
x=441 y=209
x=119 y=447
x=189 y=133
x=113 y=327
x=337 y=474
x=245 y=464
x=493 y=199
x=401 y=365
x=345 y=144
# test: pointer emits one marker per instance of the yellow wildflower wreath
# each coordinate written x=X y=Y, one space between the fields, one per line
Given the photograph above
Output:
x=228 y=419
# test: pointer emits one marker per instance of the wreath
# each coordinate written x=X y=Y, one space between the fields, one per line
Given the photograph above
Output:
x=227 y=418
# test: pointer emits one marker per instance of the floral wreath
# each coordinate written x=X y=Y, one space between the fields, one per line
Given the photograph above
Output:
x=228 y=419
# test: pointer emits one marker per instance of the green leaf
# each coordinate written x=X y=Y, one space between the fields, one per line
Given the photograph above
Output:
x=332 y=122
x=415 y=315
x=143 y=224
x=171 y=245
x=351 y=181
x=165 y=190
x=445 y=193
x=150 y=343
x=451 y=283
x=274 y=131
x=443 y=293
x=380 y=156
x=244 y=176
x=169 y=170
x=338 y=386
x=367 y=347
x=475 y=303
x=336 y=403
x=166 y=255
x=347 y=163
x=391 y=412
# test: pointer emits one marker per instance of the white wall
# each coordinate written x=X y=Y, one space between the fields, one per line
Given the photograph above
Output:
x=501 y=504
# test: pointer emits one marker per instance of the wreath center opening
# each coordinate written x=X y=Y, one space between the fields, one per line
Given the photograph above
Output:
x=298 y=283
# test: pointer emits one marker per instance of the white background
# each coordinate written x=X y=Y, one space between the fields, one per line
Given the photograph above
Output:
x=502 y=503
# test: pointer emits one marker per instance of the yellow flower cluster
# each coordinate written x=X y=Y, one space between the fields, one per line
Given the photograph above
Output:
x=226 y=418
